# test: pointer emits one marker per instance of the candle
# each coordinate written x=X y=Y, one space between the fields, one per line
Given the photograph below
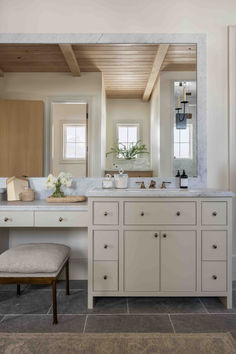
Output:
x=184 y=94
x=178 y=101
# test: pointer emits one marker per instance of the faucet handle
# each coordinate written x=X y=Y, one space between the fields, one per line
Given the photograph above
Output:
x=142 y=184
x=152 y=184
x=163 y=185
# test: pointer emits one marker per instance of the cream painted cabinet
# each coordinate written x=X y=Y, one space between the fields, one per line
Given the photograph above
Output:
x=141 y=260
x=178 y=261
x=152 y=246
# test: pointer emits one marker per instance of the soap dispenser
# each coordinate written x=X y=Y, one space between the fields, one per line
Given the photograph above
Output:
x=184 y=180
x=177 y=179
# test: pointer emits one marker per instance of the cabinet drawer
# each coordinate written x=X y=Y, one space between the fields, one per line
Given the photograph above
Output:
x=214 y=276
x=160 y=213
x=105 y=213
x=16 y=218
x=214 y=245
x=214 y=213
x=105 y=276
x=61 y=219
x=105 y=245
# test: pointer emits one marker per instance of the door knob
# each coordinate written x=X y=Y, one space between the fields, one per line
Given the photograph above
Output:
x=105 y=277
x=106 y=213
x=156 y=234
x=214 y=277
x=214 y=213
x=214 y=246
x=142 y=213
x=60 y=219
x=6 y=219
x=164 y=235
x=105 y=246
x=178 y=213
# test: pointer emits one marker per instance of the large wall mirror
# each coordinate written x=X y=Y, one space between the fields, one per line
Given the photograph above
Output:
x=93 y=108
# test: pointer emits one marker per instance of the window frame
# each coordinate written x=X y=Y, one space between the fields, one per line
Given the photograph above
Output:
x=126 y=124
x=63 y=160
x=180 y=143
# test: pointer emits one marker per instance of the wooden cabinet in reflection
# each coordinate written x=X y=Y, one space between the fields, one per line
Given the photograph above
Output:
x=21 y=138
x=133 y=173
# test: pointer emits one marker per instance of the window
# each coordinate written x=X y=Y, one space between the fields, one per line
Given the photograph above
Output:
x=74 y=141
x=127 y=134
x=183 y=143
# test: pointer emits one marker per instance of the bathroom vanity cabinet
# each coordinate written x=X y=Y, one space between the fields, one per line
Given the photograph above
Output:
x=152 y=243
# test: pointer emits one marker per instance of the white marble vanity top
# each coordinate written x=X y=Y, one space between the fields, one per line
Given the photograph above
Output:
x=165 y=193
x=42 y=205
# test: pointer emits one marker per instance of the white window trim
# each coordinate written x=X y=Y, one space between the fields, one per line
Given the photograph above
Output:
x=190 y=143
x=126 y=124
x=62 y=160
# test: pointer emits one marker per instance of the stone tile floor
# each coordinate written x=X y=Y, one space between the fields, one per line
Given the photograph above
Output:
x=31 y=312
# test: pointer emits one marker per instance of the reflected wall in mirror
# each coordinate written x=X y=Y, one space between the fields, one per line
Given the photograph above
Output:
x=106 y=107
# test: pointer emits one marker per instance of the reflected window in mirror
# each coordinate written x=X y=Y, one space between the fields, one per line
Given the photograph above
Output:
x=74 y=142
x=183 y=143
x=127 y=135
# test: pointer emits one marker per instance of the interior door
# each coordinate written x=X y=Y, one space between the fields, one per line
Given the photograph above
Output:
x=21 y=126
x=141 y=257
x=178 y=261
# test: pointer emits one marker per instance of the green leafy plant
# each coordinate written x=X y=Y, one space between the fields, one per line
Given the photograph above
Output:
x=121 y=151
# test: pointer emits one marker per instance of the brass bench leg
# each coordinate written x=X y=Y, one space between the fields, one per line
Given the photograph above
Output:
x=18 y=289
x=54 y=301
x=67 y=278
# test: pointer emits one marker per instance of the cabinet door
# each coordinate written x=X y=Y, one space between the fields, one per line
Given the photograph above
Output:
x=178 y=261
x=141 y=260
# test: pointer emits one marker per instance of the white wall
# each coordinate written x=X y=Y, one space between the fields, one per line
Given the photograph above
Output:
x=45 y=86
x=128 y=111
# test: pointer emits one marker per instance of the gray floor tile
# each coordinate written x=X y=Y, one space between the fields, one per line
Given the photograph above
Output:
x=75 y=303
x=61 y=284
x=204 y=323
x=42 y=323
x=12 y=287
x=165 y=305
x=214 y=305
x=234 y=284
x=128 y=323
x=29 y=302
x=110 y=305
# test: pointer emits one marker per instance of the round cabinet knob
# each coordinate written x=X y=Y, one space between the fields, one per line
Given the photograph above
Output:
x=178 y=213
x=214 y=213
x=214 y=277
x=6 y=219
x=105 y=277
x=164 y=235
x=214 y=246
x=105 y=246
x=60 y=219
x=156 y=234
x=106 y=213
x=142 y=213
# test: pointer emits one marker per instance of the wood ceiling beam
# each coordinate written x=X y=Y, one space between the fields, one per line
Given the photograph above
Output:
x=1 y=73
x=157 y=63
x=70 y=58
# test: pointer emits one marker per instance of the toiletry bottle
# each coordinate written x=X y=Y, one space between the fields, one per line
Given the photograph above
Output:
x=177 y=179
x=184 y=180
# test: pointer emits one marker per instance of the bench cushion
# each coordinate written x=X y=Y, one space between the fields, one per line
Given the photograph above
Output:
x=34 y=258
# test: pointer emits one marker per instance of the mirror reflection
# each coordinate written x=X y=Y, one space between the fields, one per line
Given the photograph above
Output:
x=91 y=109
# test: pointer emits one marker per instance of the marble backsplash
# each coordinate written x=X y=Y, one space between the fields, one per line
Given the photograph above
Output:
x=81 y=185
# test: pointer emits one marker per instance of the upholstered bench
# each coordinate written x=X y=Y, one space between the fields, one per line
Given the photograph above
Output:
x=35 y=263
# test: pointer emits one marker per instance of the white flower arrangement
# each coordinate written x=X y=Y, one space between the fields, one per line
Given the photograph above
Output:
x=63 y=179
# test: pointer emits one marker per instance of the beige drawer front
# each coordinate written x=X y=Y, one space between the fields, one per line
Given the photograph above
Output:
x=214 y=245
x=160 y=213
x=105 y=245
x=105 y=213
x=105 y=276
x=214 y=276
x=214 y=213
x=16 y=218
x=61 y=219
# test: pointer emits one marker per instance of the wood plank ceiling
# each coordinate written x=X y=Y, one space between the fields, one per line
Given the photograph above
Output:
x=126 y=67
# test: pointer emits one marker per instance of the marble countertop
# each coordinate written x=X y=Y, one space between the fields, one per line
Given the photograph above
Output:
x=42 y=205
x=162 y=193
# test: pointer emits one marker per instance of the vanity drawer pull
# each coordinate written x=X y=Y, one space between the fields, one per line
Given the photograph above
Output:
x=105 y=277
x=178 y=213
x=106 y=213
x=164 y=235
x=105 y=246
x=214 y=246
x=6 y=219
x=156 y=234
x=214 y=277
x=214 y=213
x=60 y=219
x=142 y=213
